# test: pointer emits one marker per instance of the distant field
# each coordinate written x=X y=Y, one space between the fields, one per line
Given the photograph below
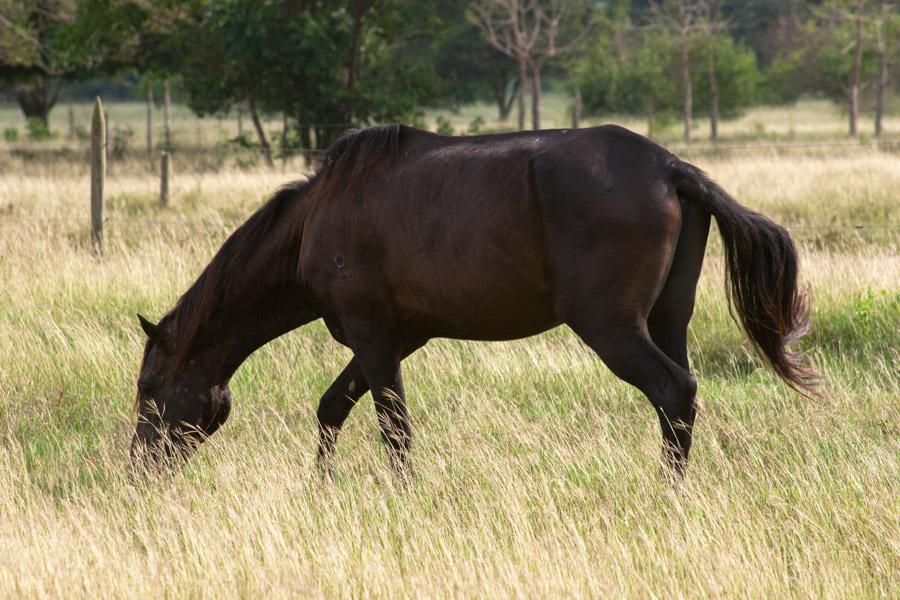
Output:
x=806 y=120
x=536 y=470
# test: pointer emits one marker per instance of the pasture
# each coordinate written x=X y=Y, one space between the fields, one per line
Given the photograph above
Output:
x=536 y=471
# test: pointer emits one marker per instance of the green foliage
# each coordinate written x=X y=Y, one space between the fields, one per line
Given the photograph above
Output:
x=444 y=126
x=326 y=67
x=737 y=76
x=469 y=68
x=476 y=125
x=641 y=74
x=11 y=134
x=38 y=130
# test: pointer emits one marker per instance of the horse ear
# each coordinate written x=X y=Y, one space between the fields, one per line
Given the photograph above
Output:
x=156 y=335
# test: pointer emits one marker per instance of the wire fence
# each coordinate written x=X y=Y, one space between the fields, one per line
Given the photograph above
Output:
x=887 y=143
x=6 y=219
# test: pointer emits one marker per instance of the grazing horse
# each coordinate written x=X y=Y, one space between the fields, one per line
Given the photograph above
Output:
x=404 y=235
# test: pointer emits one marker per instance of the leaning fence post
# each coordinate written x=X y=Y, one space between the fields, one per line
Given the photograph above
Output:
x=164 y=179
x=98 y=173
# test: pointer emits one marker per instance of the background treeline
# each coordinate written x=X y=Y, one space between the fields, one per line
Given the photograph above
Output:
x=325 y=65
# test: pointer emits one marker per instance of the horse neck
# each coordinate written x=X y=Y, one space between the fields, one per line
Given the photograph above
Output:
x=265 y=300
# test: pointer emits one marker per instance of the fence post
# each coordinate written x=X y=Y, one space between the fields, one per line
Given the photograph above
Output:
x=167 y=109
x=164 y=179
x=149 y=119
x=71 y=123
x=98 y=173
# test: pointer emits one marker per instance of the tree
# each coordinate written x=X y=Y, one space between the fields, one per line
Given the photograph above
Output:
x=326 y=66
x=531 y=32
x=470 y=69
x=712 y=25
x=638 y=71
x=33 y=55
x=884 y=21
x=681 y=18
x=848 y=21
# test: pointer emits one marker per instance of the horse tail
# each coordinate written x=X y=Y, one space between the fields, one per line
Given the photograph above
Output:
x=761 y=268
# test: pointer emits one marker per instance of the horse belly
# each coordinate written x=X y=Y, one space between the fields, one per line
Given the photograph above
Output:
x=497 y=313
x=483 y=278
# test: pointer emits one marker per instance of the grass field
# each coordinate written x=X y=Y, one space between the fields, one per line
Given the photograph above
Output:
x=536 y=470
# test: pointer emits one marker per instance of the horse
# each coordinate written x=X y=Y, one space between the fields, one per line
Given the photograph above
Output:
x=404 y=235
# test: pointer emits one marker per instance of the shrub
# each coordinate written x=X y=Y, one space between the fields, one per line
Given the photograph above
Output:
x=444 y=126
x=38 y=130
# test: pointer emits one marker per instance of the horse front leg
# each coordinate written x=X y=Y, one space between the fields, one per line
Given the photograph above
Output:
x=334 y=408
x=339 y=399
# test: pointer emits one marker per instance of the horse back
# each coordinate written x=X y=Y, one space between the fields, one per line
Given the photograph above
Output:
x=460 y=237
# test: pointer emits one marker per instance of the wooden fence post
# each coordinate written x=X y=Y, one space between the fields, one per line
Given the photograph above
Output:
x=71 y=123
x=98 y=173
x=149 y=119
x=167 y=109
x=164 y=179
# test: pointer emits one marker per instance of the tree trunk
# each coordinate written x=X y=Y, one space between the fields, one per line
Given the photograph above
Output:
x=359 y=8
x=713 y=91
x=576 y=110
x=167 y=114
x=882 y=77
x=240 y=120
x=306 y=140
x=36 y=99
x=523 y=77
x=535 y=97
x=688 y=87
x=149 y=118
x=502 y=98
x=853 y=91
x=260 y=133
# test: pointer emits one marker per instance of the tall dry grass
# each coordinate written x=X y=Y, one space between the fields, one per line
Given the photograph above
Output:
x=536 y=471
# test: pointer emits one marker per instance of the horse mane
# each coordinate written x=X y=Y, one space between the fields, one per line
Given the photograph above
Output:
x=357 y=152
x=221 y=277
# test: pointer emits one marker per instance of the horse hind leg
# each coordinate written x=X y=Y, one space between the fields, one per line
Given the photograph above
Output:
x=633 y=357
x=338 y=401
x=673 y=308
x=668 y=320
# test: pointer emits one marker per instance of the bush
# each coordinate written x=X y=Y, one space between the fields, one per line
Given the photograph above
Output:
x=476 y=125
x=11 y=134
x=38 y=130
x=121 y=139
x=444 y=126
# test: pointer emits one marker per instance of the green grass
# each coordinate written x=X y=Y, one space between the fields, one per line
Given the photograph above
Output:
x=536 y=470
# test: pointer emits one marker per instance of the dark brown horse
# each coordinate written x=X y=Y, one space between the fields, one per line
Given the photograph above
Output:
x=404 y=235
